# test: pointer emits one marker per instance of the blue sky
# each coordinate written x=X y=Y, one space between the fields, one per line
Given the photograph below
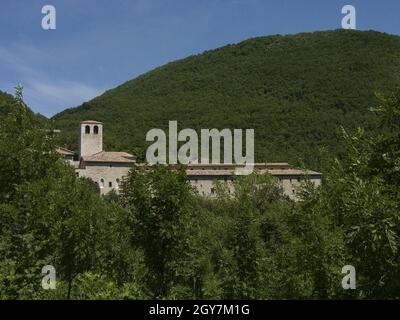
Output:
x=99 y=44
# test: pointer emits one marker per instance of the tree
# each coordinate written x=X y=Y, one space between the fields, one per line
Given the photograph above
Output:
x=361 y=195
x=47 y=215
x=160 y=203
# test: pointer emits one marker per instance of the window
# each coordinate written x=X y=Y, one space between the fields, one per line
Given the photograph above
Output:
x=101 y=183
x=87 y=129
x=77 y=174
x=96 y=130
x=110 y=184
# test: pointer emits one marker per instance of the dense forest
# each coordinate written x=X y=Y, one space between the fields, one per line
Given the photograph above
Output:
x=159 y=239
x=295 y=91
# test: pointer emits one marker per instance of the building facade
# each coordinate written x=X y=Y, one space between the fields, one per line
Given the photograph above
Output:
x=108 y=169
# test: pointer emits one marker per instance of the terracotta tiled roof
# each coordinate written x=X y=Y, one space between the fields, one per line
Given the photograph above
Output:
x=104 y=156
x=292 y=171
x=276 y=169
x=274 y=172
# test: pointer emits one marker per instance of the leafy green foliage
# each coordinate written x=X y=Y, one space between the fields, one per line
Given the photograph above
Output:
x=160 y=239
x=264 y=246
x=6 y=102
x=48 y=216
x=160 y=203
x=362 y=195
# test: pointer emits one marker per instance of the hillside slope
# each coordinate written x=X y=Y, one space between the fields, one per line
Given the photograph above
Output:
x=294 y=90
x=6 y=101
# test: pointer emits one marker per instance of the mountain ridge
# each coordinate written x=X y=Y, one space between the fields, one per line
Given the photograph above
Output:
x=294 y=90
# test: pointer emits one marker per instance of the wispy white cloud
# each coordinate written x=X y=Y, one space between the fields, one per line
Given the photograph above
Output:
x=64 y=90
x=41 y=92
x=59 y=95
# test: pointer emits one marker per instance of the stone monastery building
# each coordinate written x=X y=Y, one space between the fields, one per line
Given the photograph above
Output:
x=107 y=169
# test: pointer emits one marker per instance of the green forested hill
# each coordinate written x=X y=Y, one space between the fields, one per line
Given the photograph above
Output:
x=6 y=101
x=295 y=91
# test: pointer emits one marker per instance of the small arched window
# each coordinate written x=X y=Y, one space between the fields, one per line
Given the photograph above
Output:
x=96 y=130
x=101 y=183
x=117 y=186
x=87 y=129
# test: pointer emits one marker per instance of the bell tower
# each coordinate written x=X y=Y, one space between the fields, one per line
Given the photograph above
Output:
x=91 y=138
